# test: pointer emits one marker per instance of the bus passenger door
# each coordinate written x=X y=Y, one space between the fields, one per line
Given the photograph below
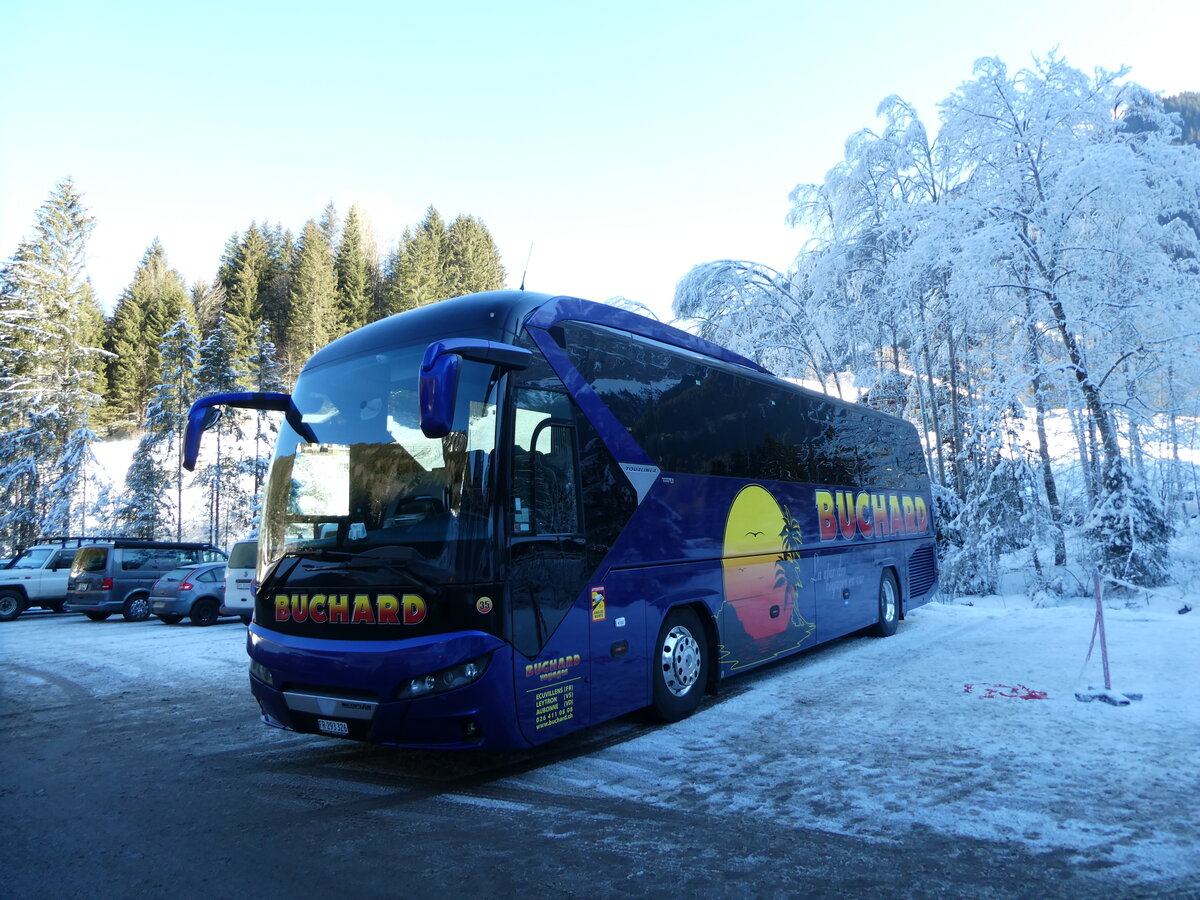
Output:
x=620 y=678
x=547 y=568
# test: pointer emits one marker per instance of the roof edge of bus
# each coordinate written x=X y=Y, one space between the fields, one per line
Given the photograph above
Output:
x=564 y=308
x=510 y=310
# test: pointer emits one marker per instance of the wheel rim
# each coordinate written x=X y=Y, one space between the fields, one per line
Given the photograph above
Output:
x=887 y=599
x=139 y=608
x=8 y=605
x=680 y=661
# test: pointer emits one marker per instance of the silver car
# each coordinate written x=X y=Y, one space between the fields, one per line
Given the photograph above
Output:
x=194 y=592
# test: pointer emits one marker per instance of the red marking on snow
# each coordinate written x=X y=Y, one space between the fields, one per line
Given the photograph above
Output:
x=1010 y=691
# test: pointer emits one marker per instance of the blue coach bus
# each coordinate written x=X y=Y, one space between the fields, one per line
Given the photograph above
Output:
x=501 y=518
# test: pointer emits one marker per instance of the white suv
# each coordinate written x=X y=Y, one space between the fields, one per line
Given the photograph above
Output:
x=239 y=574
x=38 y=576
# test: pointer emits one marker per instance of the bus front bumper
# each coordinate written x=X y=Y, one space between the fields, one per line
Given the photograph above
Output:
x=353 y=690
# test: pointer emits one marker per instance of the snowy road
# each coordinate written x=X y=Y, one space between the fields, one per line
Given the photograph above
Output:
x=134 y=764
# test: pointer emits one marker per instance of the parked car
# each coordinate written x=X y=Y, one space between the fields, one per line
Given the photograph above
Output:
x=38 y=576
x=239 y=576
x=116 y=576
x=194 y=592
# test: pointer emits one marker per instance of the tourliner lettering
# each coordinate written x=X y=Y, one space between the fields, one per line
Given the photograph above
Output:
x=350 y=609
x=844 y=514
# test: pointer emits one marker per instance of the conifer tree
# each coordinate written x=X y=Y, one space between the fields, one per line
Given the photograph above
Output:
x=434 y=262
x=144 y=511
x=50 y=364
x=354 y=266
x=331 y=226
x=417 y=271
x=151 y=304
x=158 y=462
x=312 y=312
x=474 y=264
x=208 y=300
x=276 y=284
x=218 y=373
x=263 y=373
x=245 y=277
x=69 y=508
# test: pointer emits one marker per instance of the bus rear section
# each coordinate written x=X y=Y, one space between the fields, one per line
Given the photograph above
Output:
x=502 y=518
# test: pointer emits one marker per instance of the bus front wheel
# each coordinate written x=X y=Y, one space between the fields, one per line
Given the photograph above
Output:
x=889 y=605
x=681 y=662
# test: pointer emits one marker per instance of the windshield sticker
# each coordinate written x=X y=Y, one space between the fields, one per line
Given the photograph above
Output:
x=598 y=612
x=348 y=609
x=483 y=605
x=321 y=480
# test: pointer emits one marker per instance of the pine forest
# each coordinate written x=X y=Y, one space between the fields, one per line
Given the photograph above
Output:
x=72 y=376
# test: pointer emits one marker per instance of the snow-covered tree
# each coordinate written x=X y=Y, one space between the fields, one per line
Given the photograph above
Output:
x=148 y=307
x=1040 y=253
x=228 y=499
x=263 y=373
x=50 y=365
x=157 y=463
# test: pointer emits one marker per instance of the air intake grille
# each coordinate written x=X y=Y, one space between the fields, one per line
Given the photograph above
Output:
x=922 y=571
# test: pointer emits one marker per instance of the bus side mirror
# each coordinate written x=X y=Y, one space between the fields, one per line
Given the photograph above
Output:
x=206 y=412
x=439 y=376
x=438 y=388
x=202 y=416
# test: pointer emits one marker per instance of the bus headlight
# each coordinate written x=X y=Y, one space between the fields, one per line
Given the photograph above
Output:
x=261 y=672
x=444 y=680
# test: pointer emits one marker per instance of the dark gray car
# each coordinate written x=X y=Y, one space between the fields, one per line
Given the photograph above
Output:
x=195 y=592
x=116 y=576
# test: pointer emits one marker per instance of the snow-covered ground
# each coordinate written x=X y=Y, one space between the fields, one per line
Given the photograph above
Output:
x=965 y=723
x=876 y=737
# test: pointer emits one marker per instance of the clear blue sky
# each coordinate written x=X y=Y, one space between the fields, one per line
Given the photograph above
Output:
x=626 y=141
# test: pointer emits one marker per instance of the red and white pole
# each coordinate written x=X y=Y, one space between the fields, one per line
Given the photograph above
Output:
x=1100 y=626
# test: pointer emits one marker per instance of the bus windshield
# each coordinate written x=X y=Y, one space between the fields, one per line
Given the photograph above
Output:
x=372 y=496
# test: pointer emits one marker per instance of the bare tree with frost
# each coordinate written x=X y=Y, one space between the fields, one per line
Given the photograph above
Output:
x=1039 y=255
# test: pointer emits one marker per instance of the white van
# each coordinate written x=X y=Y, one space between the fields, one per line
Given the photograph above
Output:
x=239 y=573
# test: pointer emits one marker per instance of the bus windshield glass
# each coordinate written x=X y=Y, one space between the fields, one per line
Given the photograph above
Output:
x=371 y=494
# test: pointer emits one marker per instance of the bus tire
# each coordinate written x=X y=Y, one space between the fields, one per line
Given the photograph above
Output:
x=889 y=605
x=681 y=661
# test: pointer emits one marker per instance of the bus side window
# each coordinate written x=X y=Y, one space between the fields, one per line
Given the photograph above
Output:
x=545 y=479
x=555 y=486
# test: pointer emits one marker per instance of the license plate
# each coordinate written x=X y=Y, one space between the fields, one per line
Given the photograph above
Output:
x=243 y=582
x=333 y=726
x=81 y=587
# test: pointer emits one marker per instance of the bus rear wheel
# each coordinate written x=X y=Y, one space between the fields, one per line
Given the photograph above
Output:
x=889 y=605
x=681 y=662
